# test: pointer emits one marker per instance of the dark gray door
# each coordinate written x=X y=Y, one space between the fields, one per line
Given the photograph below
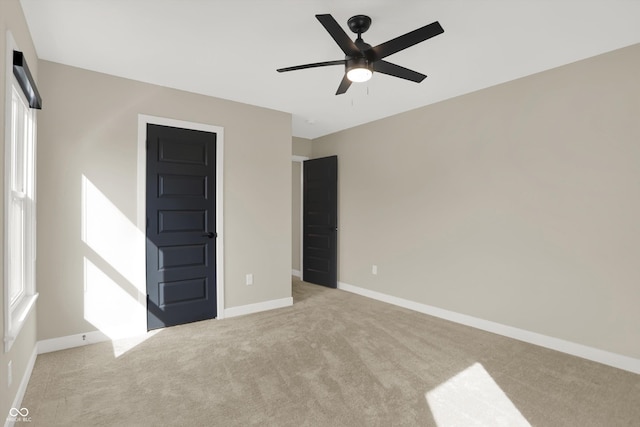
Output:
x=320 y=221
x=181 y=249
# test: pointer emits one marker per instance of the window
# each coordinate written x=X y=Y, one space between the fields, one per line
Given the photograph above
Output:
x=20 y=210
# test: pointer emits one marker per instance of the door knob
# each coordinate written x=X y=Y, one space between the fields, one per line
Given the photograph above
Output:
x=210 y=234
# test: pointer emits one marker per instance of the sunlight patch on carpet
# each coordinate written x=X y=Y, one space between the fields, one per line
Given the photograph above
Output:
x=121 y=346
x=472 y=398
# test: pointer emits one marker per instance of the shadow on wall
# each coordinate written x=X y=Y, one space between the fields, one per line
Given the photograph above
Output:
x=114 y=269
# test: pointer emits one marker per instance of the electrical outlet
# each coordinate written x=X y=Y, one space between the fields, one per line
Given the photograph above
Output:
x=9 y=373
x=249 y=279
x=374 y=269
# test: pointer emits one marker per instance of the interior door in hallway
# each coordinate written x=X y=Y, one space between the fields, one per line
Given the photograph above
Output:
x=320 y=221
x=181 y=269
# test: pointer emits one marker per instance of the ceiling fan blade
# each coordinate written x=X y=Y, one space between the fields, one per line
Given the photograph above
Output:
x=344 y=85
x=394 y=70
x=407 y=40
x=315 y=64
x=335 y=30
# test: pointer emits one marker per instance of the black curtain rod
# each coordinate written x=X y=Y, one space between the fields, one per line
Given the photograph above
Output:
x=21 y=71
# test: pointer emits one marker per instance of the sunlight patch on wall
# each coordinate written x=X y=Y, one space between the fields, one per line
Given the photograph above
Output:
x=472 y=398
x=109 y=307
x=114 y=271
x=117 y=240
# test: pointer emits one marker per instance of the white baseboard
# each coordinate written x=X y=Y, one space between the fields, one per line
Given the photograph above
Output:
x=258 y=307
x=71 y=341
x=79 y=340
x=612 y=359
x=17 y=401
x=296 y=273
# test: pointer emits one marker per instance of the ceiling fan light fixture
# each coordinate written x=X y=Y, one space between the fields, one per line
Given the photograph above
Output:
x=359 y=75
x=359 y=70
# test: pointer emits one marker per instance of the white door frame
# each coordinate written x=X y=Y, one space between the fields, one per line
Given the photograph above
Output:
x=143 y=120
x=301 y=159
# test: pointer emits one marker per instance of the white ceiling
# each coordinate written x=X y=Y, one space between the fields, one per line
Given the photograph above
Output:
x=231 y=48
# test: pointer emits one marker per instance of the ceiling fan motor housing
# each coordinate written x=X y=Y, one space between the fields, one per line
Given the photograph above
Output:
x=365 y=58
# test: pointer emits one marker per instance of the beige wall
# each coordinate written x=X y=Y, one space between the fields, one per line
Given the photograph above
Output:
x=516 y=204
x=88 y=133
x=301 y=146
x=12 y=19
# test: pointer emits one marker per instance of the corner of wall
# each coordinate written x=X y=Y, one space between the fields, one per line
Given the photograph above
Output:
x=301 y=146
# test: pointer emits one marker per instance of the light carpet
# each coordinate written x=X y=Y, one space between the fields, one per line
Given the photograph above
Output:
x=332 y=359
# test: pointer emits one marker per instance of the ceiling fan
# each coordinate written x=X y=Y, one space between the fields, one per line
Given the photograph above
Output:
x=361 y=60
